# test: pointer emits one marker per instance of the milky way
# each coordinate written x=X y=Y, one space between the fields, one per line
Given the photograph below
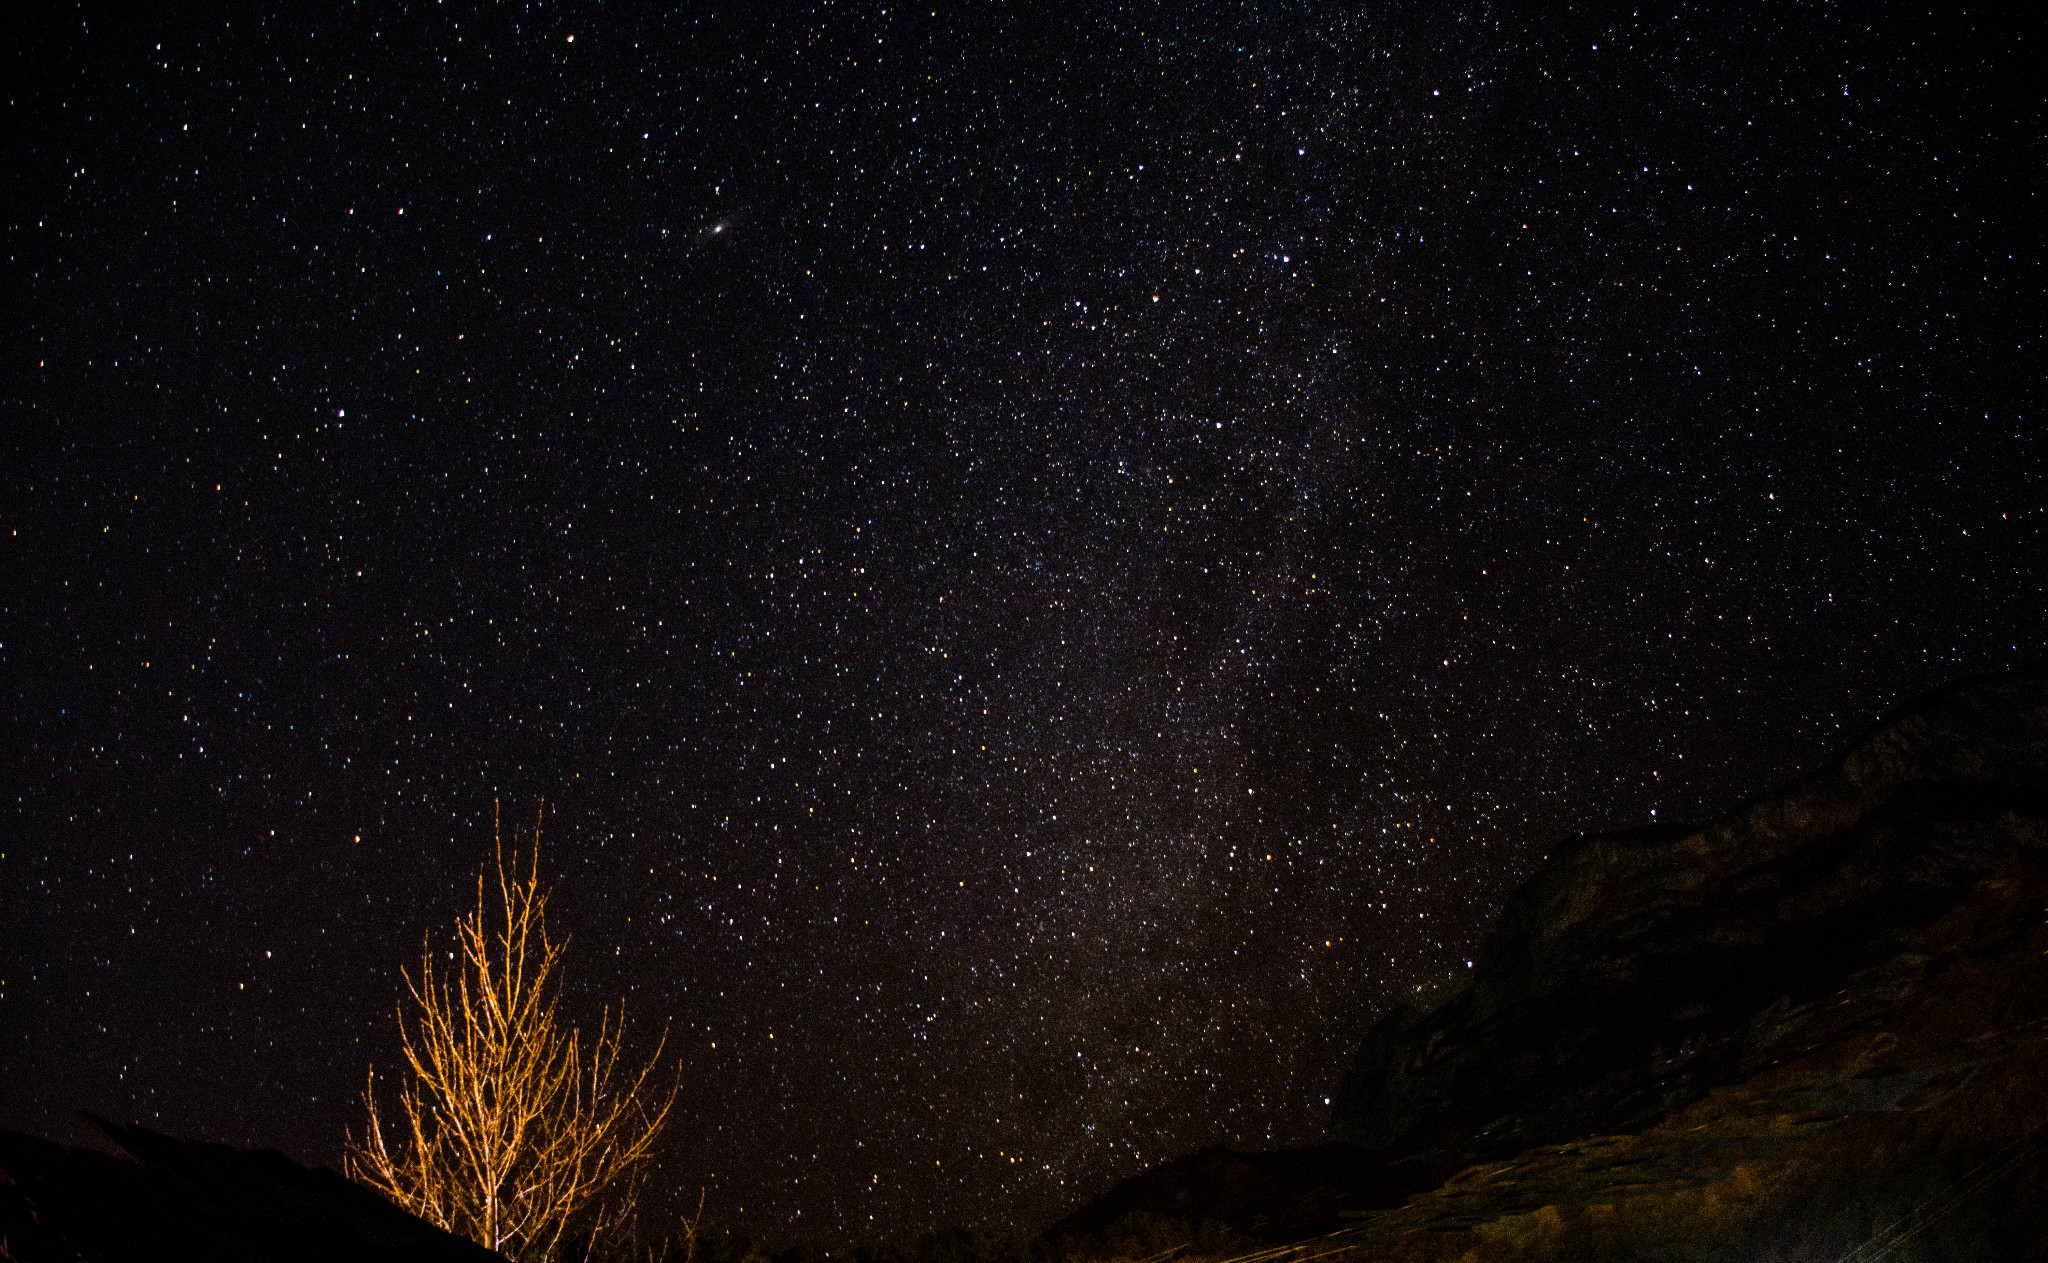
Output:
x=1047 y=568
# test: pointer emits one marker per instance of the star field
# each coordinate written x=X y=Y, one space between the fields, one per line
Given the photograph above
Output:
x=1048 y=566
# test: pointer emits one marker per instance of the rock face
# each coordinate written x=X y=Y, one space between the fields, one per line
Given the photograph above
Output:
x=172 y=1199
x=1638 y=970
x=1822 y=1015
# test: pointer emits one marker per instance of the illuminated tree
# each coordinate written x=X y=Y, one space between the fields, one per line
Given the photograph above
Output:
x=514 y=1132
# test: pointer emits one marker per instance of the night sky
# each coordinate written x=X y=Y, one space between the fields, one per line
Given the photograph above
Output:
x=1047 y=566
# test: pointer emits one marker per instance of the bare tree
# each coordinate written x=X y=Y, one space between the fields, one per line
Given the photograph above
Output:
x=514 y=1133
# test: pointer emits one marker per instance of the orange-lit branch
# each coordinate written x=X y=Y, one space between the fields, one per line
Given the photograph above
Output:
x=515 y=1135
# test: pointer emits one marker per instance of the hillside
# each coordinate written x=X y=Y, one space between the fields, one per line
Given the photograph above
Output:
x=164 y=1199
x=1817 y=1025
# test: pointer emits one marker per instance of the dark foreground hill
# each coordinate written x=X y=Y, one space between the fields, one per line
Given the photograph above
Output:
x=1815 y=1029
x=165 y=1199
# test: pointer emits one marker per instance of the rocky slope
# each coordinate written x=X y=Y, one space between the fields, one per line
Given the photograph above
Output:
x=166 y=1199
x=1822 y=1015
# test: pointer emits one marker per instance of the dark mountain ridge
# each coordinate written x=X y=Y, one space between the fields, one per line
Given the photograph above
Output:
x=163 y=1198
x=1644 y=979
x=1629 y=975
